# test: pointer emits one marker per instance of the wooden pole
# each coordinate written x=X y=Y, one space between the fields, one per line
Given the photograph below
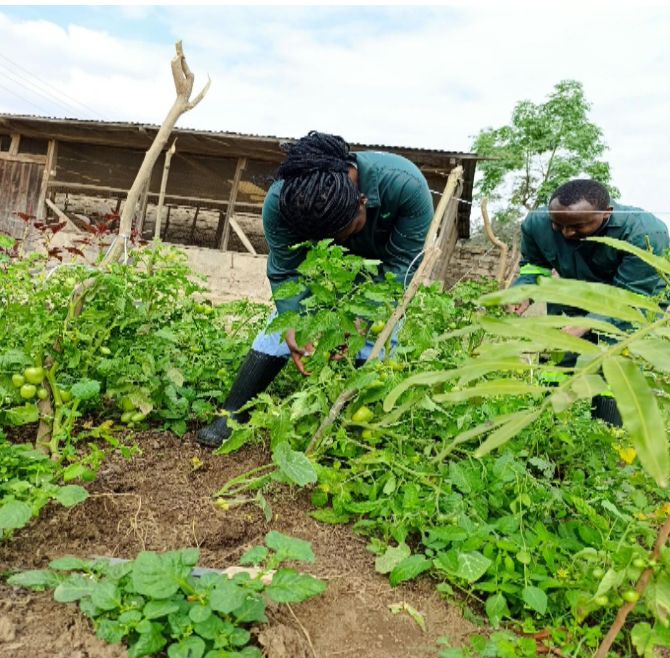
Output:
x=161 y=197
x=49 y=171
x=432 y=251
x=225 y=236
x=142 y=208
x=195 y=221
x=167 y=223
x=240 y=234
x=502 y=263
x=183 y=81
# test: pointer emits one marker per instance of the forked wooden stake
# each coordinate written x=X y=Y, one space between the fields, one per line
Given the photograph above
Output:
x=183 y=82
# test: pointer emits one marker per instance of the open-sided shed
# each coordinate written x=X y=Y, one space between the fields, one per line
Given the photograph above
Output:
x=218 y=177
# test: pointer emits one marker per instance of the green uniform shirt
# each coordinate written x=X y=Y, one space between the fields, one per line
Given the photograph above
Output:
x=542 y=248
x=399 y=213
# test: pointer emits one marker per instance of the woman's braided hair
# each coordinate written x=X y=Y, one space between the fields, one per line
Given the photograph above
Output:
x=318 y=199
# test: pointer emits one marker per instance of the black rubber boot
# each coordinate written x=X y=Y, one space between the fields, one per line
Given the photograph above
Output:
x=254 y=376
x=604 y=407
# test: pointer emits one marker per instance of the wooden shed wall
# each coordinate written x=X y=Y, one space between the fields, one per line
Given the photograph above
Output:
x=20 y=184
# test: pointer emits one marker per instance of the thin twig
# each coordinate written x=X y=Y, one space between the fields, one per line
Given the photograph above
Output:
x=303 y=629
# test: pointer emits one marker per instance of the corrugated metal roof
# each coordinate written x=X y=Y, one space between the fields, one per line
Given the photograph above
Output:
x=221 y=133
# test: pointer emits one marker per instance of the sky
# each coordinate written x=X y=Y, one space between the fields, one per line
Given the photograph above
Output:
x=416 y=76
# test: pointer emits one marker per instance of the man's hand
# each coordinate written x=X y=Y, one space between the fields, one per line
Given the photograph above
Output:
x=577 y=332
x=518 y=309
x=298 y=352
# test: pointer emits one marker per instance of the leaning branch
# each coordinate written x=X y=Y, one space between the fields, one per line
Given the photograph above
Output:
x=502 y=263
x=183 y=82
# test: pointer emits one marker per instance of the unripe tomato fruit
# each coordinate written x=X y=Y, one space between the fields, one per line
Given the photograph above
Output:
x=34 y=375
x=363 y=415
x=42 y=393
x=631 y=596
x=18 y=380
x=28 y=391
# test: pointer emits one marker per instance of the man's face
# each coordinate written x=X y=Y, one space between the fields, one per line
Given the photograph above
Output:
x=356 y=226
x=578 y=220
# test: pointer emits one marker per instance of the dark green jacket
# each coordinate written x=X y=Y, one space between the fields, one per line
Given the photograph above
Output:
x=399 y=212
x=543 y=249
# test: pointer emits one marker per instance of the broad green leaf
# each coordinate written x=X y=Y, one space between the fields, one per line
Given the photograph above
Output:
x=111 y=631
x=490 y=389
x=24 y=415
x=227 y=596
x=588 y=386
x=641 y=416
x=472 y=566
x=598 y=298
x=105 y=595
x=149 y=642
x=71 y=495
x=657 y=262
x=508 y=431
x=496 y=609
x=35 y=579
x=641 y=636
x=409 y=568
x=190 y=647
x=14 y=514
x=175 y=376
x=85 y=389
x=160 y=608
x=658 y=596
x=252 y=610
x=289 y=548
x=289 y=586
x=73 y=588
x=159 y=575
x=70 y=563
x=535 y=599
x=561 y=321
x=391 y=558
x=199 y=613
x=553 y=338
x=254 y=555
x=654 y=351
x=294 y=464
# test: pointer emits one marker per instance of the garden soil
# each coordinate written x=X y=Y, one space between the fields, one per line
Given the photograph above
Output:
x=162 y=500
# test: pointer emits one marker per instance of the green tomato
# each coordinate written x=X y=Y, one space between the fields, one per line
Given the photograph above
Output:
x=631 y=596
x=363 y=415
x=28 y=391
x=598 y=572
x=65 y=396
x=18 y=380
x=34 y=375
x=42 y=393
x=127 y=404
x=105 y=351
x=137 y=417
x=602 y=600
x=126 y=416
x=639 y=563
x=377 y=327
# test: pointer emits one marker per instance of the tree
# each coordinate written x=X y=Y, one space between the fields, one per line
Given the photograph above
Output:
x=544 y=145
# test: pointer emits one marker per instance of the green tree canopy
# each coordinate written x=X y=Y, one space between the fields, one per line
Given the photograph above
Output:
x=544 y=146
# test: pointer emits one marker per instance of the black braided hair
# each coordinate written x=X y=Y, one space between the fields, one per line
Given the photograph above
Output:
x=318 y=199
x=582 y=188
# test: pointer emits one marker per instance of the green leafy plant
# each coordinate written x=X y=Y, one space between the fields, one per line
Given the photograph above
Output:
x=156 y=603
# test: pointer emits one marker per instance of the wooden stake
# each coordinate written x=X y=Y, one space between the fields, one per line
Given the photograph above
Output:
x=502 y=263
x=49 y=167
x=195 y=220
x=183 y=81
x=640 y=587
x=161 y=196
x=225 y=237
x=432 y=251
x=240 y=234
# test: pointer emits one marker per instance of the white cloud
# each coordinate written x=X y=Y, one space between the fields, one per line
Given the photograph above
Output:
x=425 y=77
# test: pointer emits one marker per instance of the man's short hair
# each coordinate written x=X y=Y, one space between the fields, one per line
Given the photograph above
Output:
x=582 y=189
